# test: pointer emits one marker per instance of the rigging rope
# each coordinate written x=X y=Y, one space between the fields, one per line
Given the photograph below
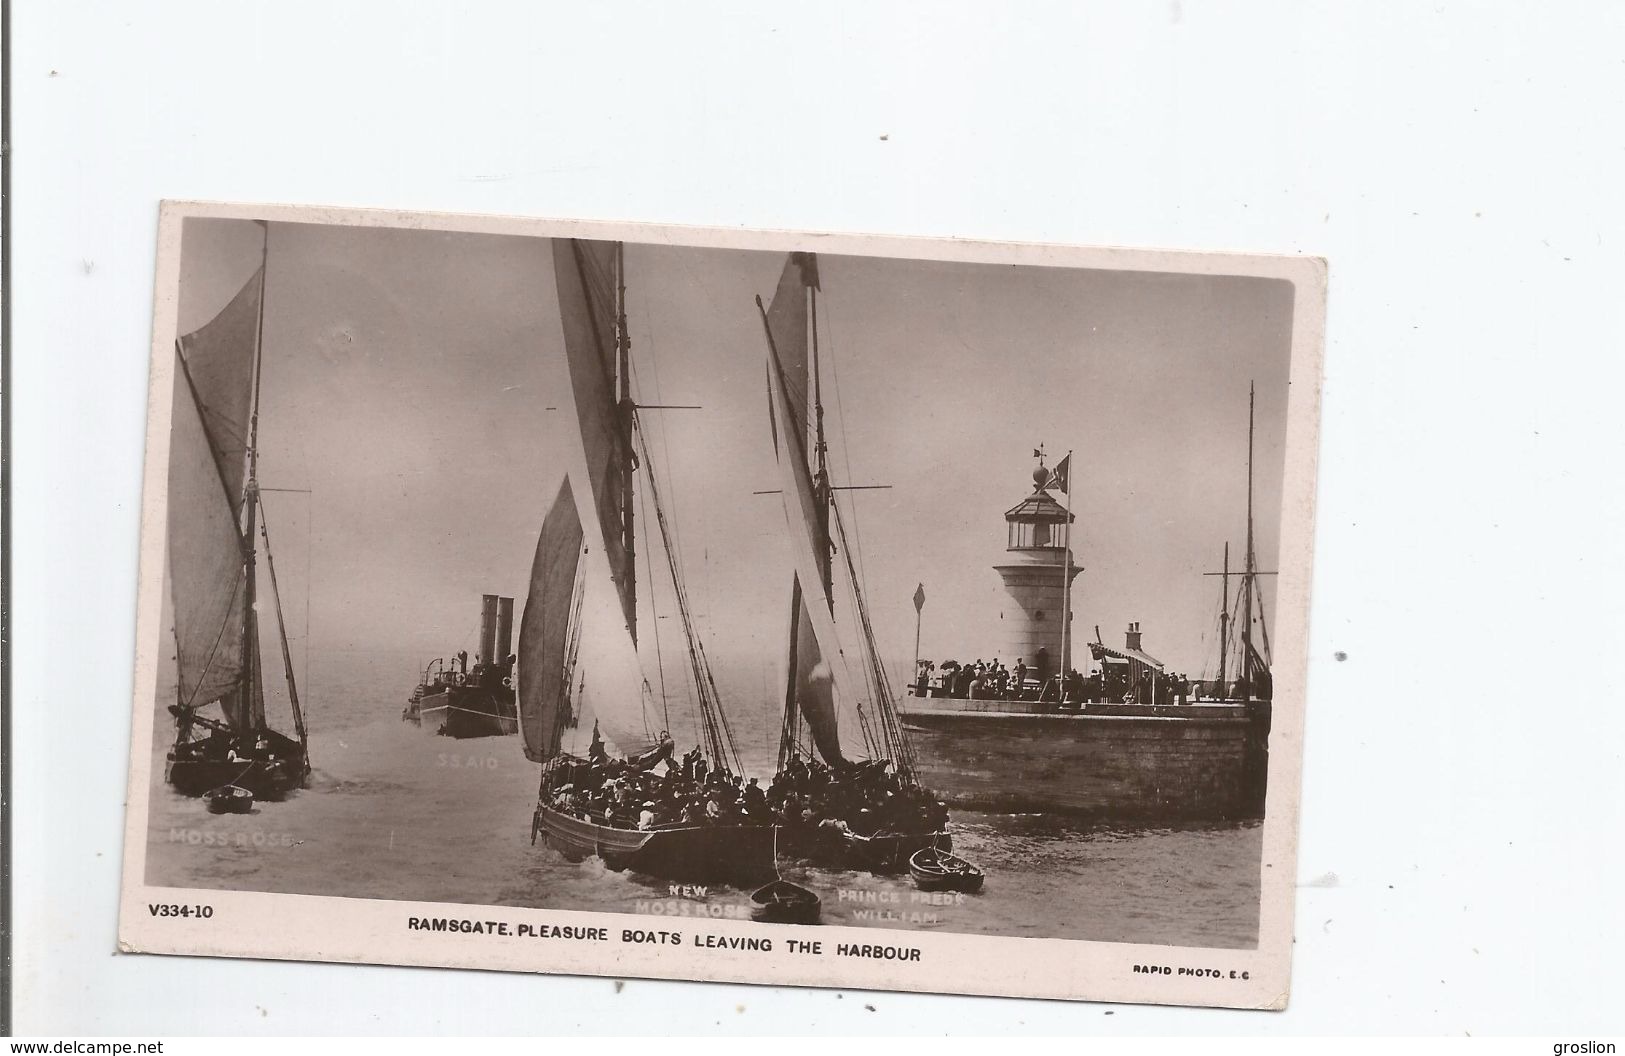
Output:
x=846 y=448
x=282 y=633
x=892 y=738
x=719 y=734
x=654 y=624
x=891 y=742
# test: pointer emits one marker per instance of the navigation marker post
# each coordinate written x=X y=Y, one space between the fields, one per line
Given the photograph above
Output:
x=919 y=605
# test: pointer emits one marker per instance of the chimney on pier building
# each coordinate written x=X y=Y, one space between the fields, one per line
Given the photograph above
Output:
x=1037 y=572
x=1132 y=636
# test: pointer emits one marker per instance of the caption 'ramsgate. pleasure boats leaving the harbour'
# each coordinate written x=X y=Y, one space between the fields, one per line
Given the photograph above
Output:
x=216 y=531
x=1131 y=742
x=611 y=784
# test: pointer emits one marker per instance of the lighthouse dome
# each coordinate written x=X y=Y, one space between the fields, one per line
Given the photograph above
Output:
x=1040 y=478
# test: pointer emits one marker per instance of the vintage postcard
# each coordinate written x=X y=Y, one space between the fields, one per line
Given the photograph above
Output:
x=723 y=605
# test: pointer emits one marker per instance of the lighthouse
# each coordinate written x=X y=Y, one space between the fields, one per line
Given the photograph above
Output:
x=1037 y=571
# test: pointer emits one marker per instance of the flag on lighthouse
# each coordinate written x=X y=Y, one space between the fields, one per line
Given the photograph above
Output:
x=1058 y=477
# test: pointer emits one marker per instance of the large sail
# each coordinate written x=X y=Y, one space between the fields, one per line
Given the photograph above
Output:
x=801 y=514
x=220 y=361
x=787 y=320
x=544 y=630
x=587 y=283
x=206 y=568
x=809 y=688
x=609 y=694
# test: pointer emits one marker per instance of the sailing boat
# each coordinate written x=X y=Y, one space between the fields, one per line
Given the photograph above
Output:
x=216 y=535
x=1249 y=663
x=1253 y=688
x=871 y=811
x=587 y=714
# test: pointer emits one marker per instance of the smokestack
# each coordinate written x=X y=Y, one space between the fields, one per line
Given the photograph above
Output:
x=504 y=630
x=488 y=628
x=1133 y=636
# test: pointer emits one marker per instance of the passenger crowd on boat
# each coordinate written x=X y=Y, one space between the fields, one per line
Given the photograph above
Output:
x=629 y=795
x=992 y=680
x=863 y=798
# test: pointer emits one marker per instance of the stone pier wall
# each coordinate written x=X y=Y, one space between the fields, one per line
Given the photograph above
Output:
x=1139 y=765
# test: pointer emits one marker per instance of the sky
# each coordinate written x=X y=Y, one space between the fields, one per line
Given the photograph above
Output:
x=414 y=381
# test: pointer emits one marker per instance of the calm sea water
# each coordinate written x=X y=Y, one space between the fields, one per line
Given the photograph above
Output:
x=395 y=813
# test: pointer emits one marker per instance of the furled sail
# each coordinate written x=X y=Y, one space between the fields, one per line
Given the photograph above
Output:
x=209 y=438
x=801 y=513
x=587 y=281
x=787 y=321
x=544 y=630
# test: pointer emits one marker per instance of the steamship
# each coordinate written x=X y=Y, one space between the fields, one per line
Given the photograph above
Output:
x=1132 y=742
x=457 y=699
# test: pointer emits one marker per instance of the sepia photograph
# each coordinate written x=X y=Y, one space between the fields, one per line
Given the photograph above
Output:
x=662 y=594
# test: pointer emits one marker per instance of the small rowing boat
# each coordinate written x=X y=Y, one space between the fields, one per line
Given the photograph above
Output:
x=938 y=870
x=782 y=902
x=229 y=799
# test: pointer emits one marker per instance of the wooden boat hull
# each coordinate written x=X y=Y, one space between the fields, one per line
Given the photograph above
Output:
x=467 y=711
x=929 y=877
x=710 y=854
x=201 y=766
x=232 y=799
x=782 y=902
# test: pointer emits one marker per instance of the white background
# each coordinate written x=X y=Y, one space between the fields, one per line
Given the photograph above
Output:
x=1459 y=165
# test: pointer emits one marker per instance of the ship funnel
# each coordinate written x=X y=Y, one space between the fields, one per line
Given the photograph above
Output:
x=504 y=631
x=1133 y=636
x=488 y=628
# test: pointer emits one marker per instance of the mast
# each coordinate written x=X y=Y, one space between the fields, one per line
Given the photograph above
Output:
x=1066 y=580
x=790 y=733
x=628 y=423
x=253 y=685
x=1248 y=583
x=821 y=449
x=715 y=728
x=1246 y=665
x=1224 y=613
x=795 y=312
x=790 y=727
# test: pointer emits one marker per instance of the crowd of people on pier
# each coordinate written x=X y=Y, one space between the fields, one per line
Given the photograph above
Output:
x=992 y=680
x=864 y=797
